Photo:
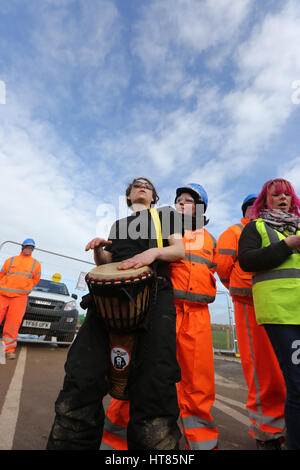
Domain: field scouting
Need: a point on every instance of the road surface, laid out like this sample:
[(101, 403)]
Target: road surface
[(30, 385)]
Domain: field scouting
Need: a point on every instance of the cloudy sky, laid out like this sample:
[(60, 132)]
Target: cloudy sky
[(96, 92)]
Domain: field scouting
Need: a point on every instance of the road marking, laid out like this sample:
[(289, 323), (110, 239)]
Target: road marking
[(227, 409), (231, 412), (231, 402), (224, 382), (10, 409)]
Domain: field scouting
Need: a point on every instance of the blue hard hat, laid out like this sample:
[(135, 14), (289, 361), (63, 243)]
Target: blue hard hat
[(248, 201), (249, 197), (196, 190), (28, 241)]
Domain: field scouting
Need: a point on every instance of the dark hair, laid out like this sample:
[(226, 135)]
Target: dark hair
[(247, 204), (155, 196)]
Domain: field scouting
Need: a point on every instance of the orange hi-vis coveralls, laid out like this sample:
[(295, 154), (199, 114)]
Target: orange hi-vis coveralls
[(194, 287), (18, 276), (266, 387)]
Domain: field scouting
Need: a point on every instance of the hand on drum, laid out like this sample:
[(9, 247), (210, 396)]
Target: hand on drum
[(142, 259), (97, 243)]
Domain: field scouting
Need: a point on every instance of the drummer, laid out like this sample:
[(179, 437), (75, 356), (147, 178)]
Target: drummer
[(79, 418)]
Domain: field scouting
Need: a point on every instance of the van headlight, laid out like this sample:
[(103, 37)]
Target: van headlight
[(70, 305)]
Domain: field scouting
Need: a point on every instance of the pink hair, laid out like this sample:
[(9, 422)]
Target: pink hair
[(281, 186)]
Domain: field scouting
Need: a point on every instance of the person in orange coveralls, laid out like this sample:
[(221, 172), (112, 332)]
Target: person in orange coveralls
[(194, 287), (18, 276), (266, 387)]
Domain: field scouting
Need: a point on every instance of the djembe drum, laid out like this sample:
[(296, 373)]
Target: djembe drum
[(122, 298)]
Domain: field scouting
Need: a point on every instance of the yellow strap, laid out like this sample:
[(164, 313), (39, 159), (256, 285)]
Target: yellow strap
[(157, 225)]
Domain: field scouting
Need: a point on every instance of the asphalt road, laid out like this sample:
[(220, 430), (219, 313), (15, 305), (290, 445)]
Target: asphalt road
[(30, 384)]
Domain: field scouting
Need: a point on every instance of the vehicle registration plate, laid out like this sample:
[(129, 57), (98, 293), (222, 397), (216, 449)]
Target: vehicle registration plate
[(36, 324)]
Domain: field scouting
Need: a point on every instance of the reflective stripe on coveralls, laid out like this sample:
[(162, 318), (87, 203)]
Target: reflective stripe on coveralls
[(191, 297), (9, 344), (115, 426), (17, 291), (276, 291)]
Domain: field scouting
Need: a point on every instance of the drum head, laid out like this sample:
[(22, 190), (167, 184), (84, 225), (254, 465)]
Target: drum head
[(110, 271)]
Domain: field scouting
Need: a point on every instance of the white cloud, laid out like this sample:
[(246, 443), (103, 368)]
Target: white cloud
[(51, 192), (202, 25), (173, 34), (291, 171), (268, 63), (169, 143), (72, 64), (84, 38), (208, 134), (185, 118), (41, 183)]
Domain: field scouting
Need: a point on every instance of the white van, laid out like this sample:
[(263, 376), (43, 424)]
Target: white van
[(51, 312)]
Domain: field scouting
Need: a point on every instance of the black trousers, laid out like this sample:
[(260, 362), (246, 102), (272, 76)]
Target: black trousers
[(79, 413)]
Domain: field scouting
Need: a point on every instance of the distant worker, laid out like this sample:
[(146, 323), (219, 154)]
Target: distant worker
[(194, 287), (18, 276), (266, 388)]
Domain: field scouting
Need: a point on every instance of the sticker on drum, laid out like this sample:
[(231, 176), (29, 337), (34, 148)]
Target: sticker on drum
[(120, 358)]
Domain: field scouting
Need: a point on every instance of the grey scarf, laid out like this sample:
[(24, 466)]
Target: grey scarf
[(281, 220)]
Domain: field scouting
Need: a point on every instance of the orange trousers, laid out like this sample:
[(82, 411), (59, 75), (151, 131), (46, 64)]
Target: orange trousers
[(196, 391), (266, 386), (13, 309)]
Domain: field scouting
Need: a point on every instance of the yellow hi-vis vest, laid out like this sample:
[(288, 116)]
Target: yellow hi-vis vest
[(276, 292)]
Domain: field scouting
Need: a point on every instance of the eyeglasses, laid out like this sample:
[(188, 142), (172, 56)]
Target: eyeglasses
[(139, 184), (189, 200), (28, 246)]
